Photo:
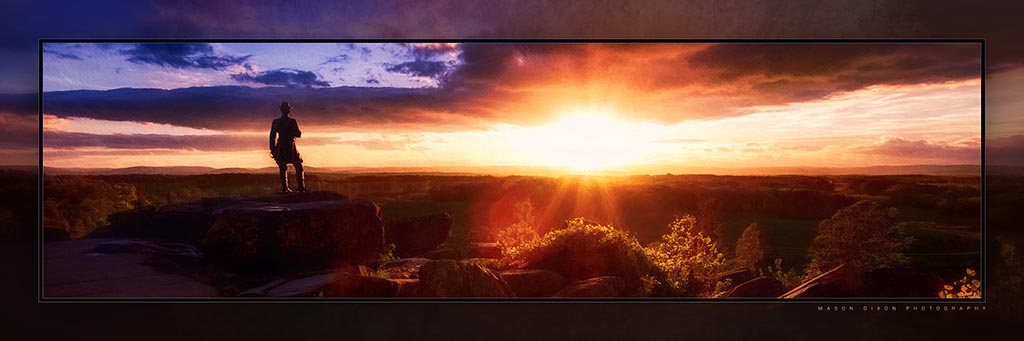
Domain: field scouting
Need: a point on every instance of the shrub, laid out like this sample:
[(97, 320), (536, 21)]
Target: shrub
[(789, 279), (967, 287), (582, 250), (749, 252), (520, 232), (689, 259), (386, 255), (863, 235)]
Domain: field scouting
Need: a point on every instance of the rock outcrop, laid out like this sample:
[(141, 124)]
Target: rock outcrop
[(294, 236), (189, 222), (533, 282), (450, 278), (415, 236), (604, 286), (840, 281), (123, 267)]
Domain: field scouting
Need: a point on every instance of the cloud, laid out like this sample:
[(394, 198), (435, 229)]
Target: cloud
[(780, 73), (909, 150), (430, 51), (193, 55), (224, 142), (341, 58), (533, 83), (208, 143), (245, 108), (60, 54), (283, 77), (420, 68)]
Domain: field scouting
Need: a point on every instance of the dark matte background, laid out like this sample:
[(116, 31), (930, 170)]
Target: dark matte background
[(23, 22)]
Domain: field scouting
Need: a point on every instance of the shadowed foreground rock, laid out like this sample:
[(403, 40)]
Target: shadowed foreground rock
[(123, 268), (605, 286), (450, 278), (840, 281), (533, 282), (286, 236), (414, 236), (353, 281), (757, 287)]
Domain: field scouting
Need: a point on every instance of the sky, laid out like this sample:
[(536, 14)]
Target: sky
[(23, 23), (587, 107)]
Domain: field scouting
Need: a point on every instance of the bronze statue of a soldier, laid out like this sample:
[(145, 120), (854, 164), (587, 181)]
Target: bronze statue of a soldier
[(283, 149)]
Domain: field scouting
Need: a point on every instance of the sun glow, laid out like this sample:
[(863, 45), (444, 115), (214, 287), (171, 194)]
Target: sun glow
[(585, 140)]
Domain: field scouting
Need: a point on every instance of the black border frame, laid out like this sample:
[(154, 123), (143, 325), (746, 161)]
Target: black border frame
[(831, 300)]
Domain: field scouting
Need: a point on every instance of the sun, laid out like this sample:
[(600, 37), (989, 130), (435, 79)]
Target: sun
[(586, 141)]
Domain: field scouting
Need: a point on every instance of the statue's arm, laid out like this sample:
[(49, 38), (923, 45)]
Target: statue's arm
[(273, 131), (298, 133)]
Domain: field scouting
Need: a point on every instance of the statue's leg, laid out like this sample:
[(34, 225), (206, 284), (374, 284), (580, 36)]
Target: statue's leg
[(298, 176), (283, 168)]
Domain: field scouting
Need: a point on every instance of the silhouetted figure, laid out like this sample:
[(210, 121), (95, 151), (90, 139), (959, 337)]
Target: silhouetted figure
[(284, 151)]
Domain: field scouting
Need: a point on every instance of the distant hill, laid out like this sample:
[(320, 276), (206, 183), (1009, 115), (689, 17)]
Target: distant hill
[(949, 170)]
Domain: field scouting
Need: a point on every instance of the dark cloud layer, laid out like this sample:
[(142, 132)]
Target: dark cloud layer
[(796, 72), (192, 55), (283, 77), (245, 108), (511, 82), (61, 140), (207, 143)]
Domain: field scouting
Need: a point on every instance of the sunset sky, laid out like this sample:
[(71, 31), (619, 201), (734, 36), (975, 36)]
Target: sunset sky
[(585, 107)]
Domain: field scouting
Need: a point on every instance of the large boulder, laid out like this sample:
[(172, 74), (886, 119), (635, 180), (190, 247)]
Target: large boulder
[(414, 236), (758, 287), (533, 282), (450, 278), (403, 268), (441, 253), (604, 286), (189, 222), (484, 250), (295, 236)]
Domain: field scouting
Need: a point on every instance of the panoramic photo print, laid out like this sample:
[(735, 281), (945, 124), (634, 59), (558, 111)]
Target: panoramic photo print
[(774, 171)]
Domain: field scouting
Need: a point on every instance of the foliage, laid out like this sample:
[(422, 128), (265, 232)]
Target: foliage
[(789, 279), (749, 251), (583, 247), (863, 235), (520, 232), (386, 255), (81, 204), (689, 258), (967, 287)]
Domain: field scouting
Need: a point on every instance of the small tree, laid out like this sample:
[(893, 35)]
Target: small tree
[(749, 252), (689, 258), (863, 235), (520, 232)]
